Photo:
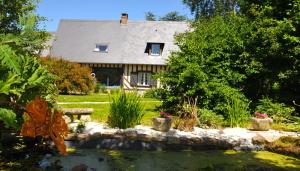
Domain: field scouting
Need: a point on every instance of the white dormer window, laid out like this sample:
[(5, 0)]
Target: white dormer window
[(155, 49), (101, 48)]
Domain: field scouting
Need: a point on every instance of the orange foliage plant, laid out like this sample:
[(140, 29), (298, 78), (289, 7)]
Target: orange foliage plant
[(41, 122)]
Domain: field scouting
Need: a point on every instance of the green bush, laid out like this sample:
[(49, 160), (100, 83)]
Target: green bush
[(279, 112), (237, 112), (114, 91), (209, 119), (22, 79), (100, 88), (8, 117), (156, 93), (211, 64), (126, 110)]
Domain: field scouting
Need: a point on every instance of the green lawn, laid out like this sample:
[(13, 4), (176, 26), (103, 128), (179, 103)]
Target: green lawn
[(101, 110), (89, 98), (84, 98)]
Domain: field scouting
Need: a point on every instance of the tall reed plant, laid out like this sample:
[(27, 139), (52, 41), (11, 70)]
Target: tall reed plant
[(237, 112), (126, 109), (188, 116)]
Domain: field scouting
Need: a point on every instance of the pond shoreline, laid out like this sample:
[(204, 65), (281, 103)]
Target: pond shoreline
[(100, 136)]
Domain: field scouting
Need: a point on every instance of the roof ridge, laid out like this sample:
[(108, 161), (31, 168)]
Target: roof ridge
[(130, 21)]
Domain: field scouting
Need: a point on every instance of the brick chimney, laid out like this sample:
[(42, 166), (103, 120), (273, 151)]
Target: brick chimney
[(124, 18)]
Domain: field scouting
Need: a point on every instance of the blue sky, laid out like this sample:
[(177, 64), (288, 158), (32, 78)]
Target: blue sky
[(54, 10)]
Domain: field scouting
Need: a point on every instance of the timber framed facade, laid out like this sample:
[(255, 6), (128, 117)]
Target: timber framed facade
[(128, 75)]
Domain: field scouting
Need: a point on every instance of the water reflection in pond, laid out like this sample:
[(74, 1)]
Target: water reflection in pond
[(183, 160)]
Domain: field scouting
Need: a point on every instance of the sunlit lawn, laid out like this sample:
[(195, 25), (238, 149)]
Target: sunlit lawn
[(84, 98), (101, 110), (90, 98)]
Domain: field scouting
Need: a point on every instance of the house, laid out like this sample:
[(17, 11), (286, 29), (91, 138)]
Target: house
[(121, 52)]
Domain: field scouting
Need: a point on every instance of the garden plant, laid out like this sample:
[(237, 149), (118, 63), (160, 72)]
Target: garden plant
[(126, 109)]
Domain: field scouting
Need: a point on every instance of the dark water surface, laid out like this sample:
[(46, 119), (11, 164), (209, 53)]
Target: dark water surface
[(176, 161)]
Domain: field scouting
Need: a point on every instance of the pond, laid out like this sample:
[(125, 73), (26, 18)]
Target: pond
[(178, 160)]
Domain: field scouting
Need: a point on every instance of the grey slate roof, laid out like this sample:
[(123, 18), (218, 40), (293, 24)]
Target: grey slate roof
[(76, 39)]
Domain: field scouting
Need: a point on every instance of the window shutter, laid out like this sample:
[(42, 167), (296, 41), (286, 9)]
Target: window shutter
[(148, 48), (161, 48), (133, 79)]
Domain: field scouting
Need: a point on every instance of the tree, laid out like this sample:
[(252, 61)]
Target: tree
[(211, 64), (150, 16), (277, 30), (173, 16), (252, 56), (211, 7), (11, 11)]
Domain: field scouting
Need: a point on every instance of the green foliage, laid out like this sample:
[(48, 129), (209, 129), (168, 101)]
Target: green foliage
[(279, 112), (149, 16), (100, 88), (154, 93), (211, 64), (22, 76), (11, 11), (126, 110), (173, 16), (289, 127), (273, 25), (237, 112), (114, 91), (71, 77), (204, 8), (209, 119), (277, 31), (8, 117), (22, 79), (29, 40), (246, 56)]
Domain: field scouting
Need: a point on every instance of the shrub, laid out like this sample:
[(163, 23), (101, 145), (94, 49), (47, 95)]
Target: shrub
[(279, 112), (238, 113), (211, 64), (126, 110), (71, 77), (187, 113), (100, 88), (154, 93), (114, 90), (209, 119), (22, 78)]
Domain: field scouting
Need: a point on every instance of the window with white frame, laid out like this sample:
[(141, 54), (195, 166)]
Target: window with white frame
[(155, 49), (101, 48), (144, 78)]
